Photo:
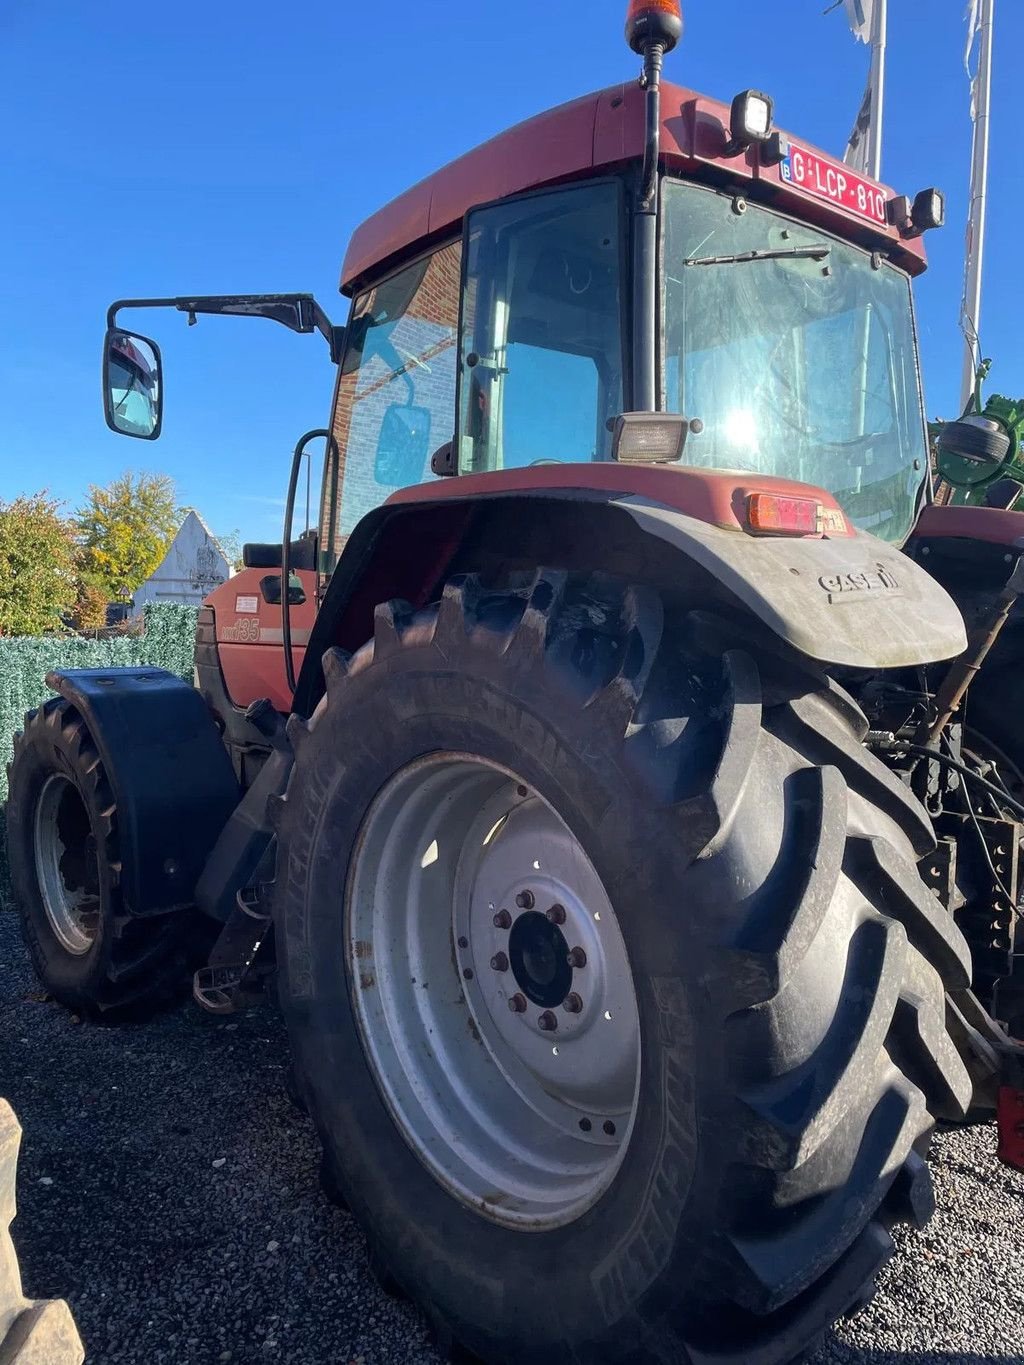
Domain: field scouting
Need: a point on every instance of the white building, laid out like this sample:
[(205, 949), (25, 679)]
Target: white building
[(192, 567)]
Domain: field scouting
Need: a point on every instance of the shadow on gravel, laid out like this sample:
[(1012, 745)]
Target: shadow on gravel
[(834, 1354)]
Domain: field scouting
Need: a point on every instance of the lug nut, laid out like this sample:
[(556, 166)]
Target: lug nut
[(517, 1004), (577, 957), (525, 900), (502, 920), (557, 914), (548, 1021), (572, 1004), (499, 962)]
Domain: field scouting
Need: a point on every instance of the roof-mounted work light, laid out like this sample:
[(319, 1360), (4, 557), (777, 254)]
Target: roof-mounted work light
[(929, 210), (650, 22), (925, 212), (751, 120)]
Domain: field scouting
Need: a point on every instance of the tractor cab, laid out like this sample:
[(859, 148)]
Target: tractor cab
[(643, 249)]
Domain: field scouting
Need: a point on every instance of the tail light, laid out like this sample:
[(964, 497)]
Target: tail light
[(773, 514)]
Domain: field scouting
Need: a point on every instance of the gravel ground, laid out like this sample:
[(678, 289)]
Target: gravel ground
[(168, 1189)]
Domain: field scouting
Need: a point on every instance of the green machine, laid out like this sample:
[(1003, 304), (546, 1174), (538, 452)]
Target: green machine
[(980, 457)]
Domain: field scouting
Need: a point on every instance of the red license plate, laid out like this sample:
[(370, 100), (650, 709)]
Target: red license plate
[(839, 184)]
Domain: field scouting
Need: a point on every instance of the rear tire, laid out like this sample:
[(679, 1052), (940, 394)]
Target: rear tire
[(40, 1332), (787, 963), (62, 841)]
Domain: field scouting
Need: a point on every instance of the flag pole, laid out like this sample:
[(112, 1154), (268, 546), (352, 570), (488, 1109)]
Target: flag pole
[(971, 310), (879, 42)]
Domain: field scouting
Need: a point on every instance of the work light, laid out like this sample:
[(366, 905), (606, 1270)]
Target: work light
[(649, 437), (929, 210), (750, 120), (654, 21)]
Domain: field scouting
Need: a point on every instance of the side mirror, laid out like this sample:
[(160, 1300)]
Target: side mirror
[(132, 385), (403, 446)]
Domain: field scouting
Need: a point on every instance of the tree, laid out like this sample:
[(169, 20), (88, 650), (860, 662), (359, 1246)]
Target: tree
[(90, 612), (38, 577), (125, 530), (231, 544)]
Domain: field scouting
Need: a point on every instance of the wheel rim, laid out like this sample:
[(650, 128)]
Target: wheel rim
[(493, 992), (67, 867)]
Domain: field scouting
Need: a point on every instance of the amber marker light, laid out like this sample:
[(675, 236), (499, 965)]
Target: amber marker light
[(654, 21), (773, 515)]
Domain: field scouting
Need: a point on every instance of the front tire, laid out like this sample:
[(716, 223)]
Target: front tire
[(62, 842), (786, 967)]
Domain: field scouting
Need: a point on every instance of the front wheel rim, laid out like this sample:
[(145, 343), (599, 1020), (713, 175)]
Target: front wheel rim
[(493, 992), (67, 867)]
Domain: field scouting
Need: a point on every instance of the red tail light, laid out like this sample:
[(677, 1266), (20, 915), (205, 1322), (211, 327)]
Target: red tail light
[(654, 21), (771, 514)]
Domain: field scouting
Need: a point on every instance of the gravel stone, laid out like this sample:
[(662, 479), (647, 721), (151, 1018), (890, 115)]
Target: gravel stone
[(166, 1260)]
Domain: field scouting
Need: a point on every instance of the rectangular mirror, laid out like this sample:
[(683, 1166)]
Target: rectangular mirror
[(403, 447), (132, 386)]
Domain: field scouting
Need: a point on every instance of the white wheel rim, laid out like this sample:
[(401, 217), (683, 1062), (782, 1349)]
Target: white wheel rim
[(67, 868), (523, 1111)]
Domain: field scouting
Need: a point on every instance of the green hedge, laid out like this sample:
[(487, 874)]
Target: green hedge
[(167, 641)]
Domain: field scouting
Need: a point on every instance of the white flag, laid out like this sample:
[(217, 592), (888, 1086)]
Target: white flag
[(858, 154), (861, 14), (973, 17)]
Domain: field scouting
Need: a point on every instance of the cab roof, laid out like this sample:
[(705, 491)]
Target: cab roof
[(597, 133)]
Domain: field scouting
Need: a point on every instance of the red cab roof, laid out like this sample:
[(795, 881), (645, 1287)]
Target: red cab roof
[(597, 133)]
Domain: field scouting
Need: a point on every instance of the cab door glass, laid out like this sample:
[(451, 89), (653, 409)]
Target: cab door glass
[(541, 350), (395, 400)]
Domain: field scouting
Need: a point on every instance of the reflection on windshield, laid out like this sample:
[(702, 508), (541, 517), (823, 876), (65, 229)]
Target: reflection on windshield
[(798, 364)]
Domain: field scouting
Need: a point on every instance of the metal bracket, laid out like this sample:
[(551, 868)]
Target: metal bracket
[(230, 978)]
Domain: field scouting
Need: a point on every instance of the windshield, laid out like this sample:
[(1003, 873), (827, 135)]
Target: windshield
[(797, 354)]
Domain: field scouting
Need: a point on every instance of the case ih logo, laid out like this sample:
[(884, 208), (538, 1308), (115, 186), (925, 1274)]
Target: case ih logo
[(847, 587)]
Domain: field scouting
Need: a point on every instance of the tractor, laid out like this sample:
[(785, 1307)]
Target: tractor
[(620, 788)]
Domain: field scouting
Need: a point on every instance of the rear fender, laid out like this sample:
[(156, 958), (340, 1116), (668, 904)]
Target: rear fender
[(849, 601), (172, 779)]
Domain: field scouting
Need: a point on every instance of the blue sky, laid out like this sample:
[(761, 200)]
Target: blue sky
[(223, 147)]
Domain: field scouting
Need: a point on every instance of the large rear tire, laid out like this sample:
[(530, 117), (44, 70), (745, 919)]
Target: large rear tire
[(778, 972), (62, 842), (32, 1332)]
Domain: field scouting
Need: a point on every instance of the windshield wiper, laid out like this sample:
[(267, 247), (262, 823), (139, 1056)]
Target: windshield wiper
[(791, 253)]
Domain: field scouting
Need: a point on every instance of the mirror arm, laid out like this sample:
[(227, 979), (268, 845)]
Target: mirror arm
[(298, 312)]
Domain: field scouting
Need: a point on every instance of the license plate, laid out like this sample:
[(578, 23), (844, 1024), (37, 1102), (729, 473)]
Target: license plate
[(839, 184)]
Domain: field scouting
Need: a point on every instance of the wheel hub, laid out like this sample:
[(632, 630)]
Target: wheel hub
[(66, 864), (539, 957)]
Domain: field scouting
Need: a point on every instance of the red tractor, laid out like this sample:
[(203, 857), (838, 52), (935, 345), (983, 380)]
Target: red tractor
[(611, 808)]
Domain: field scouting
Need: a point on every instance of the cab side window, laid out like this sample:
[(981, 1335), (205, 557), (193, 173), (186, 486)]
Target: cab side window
[(395, 400), (542, 330)]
